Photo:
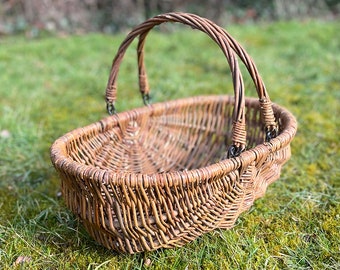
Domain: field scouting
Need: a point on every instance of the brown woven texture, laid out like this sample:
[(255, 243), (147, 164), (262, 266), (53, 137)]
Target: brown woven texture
[(166, 173)]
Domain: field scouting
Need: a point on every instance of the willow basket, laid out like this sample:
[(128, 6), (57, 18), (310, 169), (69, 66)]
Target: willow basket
[(164, 174)]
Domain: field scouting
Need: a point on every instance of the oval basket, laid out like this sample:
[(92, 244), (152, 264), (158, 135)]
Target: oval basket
[(164, 174)]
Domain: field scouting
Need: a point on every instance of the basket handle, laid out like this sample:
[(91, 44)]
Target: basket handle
[(218, 35), (264, 100)]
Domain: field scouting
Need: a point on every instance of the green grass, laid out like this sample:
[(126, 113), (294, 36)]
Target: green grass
[(53, 85)]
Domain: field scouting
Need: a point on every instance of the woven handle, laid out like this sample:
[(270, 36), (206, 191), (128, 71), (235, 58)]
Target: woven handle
[(227, 45), (205, 25)]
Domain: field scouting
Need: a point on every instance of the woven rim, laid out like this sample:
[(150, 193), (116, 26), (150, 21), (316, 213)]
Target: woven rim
[(62, 160)]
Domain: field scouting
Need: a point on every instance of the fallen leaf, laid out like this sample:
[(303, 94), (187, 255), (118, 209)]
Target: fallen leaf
[(147, 262), (21, 260)]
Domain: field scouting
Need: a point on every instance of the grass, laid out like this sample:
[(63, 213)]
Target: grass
[(52, 85)]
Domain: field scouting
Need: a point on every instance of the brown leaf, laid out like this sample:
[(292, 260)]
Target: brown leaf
[(147, 262), (21, 260)]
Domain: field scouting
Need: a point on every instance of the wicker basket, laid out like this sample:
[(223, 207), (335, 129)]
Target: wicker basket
[(164, 174)]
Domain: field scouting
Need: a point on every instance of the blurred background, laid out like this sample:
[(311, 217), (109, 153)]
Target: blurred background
[(34, 17)]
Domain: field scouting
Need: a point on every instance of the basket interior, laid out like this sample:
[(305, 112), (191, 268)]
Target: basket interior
[(172, 137)]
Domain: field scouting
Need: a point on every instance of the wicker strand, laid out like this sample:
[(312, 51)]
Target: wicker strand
[(239, 134), (267, 113), (143, 80)]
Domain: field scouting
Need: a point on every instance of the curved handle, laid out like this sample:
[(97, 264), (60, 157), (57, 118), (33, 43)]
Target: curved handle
[(214, 32), (265, 103)]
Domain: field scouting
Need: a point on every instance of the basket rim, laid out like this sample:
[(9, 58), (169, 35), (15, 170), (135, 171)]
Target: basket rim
[(61, 160)]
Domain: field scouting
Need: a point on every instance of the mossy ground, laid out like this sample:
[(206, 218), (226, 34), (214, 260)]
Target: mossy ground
[(52, 85)]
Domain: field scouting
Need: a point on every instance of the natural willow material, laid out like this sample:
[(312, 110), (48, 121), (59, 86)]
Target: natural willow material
[(159, 176)]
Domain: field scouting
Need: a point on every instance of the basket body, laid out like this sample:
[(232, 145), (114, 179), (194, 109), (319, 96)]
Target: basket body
[(156, 176)]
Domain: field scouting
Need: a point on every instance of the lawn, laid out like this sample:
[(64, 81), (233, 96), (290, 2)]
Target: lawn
[(51, 85)]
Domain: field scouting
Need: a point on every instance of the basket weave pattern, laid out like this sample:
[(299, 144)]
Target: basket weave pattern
[(158, 176)]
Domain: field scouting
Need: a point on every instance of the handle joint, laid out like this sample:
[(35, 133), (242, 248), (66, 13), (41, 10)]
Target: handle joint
[(235, 151), (271, 133), (110, 107), (146, 99)]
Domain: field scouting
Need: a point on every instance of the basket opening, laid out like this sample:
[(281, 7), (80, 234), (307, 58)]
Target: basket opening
[(172, 138)]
